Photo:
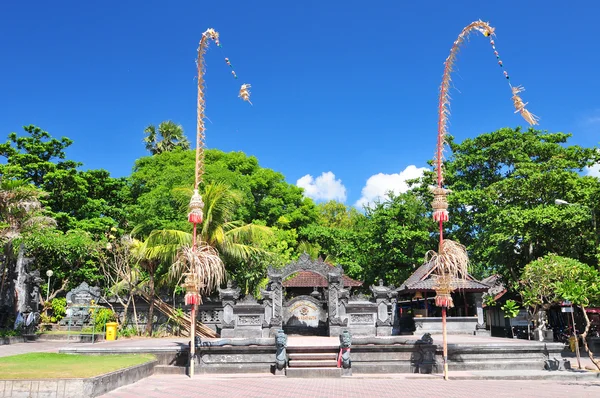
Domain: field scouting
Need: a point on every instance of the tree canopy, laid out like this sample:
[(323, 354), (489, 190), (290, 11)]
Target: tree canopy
[(517, 195)]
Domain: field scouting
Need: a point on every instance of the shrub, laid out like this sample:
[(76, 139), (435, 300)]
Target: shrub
[(101, 317), (59, 308)]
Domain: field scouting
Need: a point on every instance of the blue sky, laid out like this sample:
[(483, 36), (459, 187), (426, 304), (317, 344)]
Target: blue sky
[(346, 88)]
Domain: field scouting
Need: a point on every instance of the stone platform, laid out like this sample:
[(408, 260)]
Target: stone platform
[(369, 355)]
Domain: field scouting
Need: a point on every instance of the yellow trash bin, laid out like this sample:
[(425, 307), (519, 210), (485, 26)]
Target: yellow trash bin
[(111, 330)]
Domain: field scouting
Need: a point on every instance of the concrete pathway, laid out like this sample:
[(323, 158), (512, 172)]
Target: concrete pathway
[(31, 346), (253, 387)]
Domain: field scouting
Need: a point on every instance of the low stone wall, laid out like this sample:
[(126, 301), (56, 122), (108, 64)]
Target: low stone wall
[(69, 388), (394, 354), (12, 340), (524, 356), (74, 337), (454, 325), (247, 356)]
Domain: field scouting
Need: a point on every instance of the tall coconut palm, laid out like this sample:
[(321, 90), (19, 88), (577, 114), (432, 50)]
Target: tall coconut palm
[(169, 136)]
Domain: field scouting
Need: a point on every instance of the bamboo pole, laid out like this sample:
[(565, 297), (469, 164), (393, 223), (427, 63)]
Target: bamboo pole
[(445, 343)]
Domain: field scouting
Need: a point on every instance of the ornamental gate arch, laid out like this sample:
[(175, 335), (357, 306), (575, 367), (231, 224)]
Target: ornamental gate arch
[(335, 292)]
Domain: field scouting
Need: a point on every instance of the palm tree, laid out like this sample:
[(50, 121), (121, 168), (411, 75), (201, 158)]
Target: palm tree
[(169, 137), (219, 236)]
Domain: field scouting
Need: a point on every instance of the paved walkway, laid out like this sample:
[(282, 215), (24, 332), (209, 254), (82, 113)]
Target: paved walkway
[(254, 387), (31, 346)]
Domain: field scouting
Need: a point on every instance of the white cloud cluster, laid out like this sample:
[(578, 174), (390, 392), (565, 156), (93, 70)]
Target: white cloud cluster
[(325, 187), (380, 184), (593, 171)]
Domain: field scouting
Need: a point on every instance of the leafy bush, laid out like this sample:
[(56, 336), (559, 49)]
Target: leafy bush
[(489, 300), (129, 331), (511, 309), (101, 317), (59, 308), (10, 333)]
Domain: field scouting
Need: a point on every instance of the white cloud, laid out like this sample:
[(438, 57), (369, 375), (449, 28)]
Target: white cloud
[(379, 185), (593, 171), (324, 187)]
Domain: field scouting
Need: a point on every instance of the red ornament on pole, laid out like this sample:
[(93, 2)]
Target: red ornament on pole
[(196, 214)]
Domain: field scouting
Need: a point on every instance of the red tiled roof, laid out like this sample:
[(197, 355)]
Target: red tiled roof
[(312, 279), (421, 280)]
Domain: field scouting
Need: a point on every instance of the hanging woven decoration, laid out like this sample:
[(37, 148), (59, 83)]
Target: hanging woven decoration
[(443, 291), (192, 297), (245, 93), (440, 203), (196, 214)]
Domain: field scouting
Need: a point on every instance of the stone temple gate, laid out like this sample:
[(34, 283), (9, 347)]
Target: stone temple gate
[(325, 312), (308, 312)]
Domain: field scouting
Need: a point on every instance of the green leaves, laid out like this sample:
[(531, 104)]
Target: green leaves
[(511, 309), (552, 279), (502, 208), (170, 136)]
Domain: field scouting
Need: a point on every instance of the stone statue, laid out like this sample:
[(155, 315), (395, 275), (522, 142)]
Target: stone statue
[(344, 356), (281, 344), (426, 339)]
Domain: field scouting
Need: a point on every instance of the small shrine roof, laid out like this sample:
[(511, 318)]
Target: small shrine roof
[(423, 280), (312, 279)]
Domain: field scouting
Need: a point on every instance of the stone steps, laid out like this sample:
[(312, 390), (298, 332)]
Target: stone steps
[(312, 361), (313, 372), (313, 364), (312, 356)]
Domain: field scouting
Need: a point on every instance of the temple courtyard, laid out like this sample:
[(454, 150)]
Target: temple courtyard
[(368, 386)]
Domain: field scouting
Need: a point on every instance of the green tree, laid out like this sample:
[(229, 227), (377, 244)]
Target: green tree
[(399, 232), (234, 241), (337, 245), (502, 208), (90, 200), (552, 279), (72, 255), (169, 136), (337, 215), (32, 156), (264, 194)]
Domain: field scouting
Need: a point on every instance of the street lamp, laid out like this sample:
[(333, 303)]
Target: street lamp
[(49, 274)]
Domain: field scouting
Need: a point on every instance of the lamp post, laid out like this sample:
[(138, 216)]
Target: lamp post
[(49, 274)]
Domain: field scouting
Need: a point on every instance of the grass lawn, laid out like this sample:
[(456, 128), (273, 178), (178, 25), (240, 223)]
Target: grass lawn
[(64, 366)]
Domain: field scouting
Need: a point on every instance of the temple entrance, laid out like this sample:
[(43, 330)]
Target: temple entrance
[(305, 315), (305, 297)]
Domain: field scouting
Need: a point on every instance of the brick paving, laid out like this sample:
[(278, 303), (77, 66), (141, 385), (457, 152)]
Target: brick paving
[(159, 386)]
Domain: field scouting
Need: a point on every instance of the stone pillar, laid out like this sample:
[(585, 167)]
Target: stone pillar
[(228, 297), (480, 328), (382, 296), (479, 306)]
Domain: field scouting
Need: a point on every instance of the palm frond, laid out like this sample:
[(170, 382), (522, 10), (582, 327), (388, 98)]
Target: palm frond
[(163, 244), (452, 260), (204, 260)]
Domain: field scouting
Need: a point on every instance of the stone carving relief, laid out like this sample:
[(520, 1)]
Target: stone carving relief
[(361, 318), (247, 320)]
